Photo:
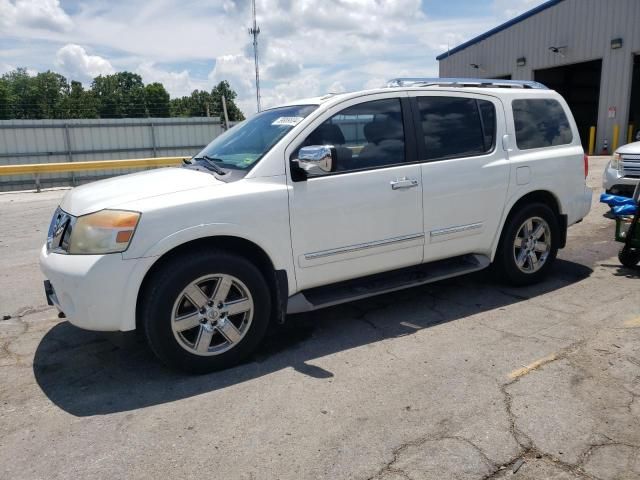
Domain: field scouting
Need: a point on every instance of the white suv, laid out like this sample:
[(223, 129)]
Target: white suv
[(622, 173), (319, 202)]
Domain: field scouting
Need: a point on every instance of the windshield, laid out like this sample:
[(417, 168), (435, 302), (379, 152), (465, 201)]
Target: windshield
[(244, 144)]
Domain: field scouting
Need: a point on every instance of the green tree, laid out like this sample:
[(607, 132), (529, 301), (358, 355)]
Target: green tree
[(157, 100), (23, 94), (78, 103), (202, 103), (5, 100), (49, 90), (223, 88), (119, 95), (123, 94), (198, 104)]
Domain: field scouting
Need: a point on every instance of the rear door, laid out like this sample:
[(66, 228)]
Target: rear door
[(465, 171)]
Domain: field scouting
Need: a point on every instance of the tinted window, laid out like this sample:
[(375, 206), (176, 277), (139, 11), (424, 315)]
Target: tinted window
[(456, 127), (540, 123), (366, 135)]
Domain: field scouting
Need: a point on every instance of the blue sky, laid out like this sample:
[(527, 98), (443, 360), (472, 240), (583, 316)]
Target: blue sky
[(307, 47)]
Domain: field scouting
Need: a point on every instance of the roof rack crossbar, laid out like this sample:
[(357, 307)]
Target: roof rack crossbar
[(463, 82)]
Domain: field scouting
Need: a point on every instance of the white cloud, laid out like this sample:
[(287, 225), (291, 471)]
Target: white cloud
[(5, 67), (513, 8), (39, 14), (307, 47), (74, 61), (239, 72), (178, 84)]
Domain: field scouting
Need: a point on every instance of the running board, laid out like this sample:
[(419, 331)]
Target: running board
[(356, 289)]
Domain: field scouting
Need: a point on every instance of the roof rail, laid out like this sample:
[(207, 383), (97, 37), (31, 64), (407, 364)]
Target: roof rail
[(463, 82)]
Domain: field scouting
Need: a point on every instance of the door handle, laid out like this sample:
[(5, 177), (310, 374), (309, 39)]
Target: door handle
[(403, 182)]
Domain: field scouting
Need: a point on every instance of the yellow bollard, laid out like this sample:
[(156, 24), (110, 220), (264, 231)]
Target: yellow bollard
[(592, 140), (630, 133), (616, 138)]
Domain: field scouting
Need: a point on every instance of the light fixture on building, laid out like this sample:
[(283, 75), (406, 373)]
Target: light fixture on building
[(474, 65), (558, 50), (521, 62), (616, 43)]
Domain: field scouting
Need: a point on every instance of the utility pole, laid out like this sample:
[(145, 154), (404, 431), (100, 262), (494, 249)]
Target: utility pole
[(254, 31)]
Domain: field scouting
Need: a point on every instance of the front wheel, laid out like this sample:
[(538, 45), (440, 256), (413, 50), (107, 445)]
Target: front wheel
[(205, 311), (528, 246)]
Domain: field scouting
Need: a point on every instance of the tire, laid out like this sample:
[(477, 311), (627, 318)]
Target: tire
[(629, 257), (205, 311), (509, 264)]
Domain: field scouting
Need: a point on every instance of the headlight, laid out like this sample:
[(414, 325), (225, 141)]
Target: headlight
[(616, 162), (106, 231)]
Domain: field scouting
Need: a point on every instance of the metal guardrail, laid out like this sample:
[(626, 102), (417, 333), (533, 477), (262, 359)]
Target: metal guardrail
[(36, 169)]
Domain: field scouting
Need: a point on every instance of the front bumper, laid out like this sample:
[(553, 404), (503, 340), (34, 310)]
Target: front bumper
[(95, 292), (614, 183)]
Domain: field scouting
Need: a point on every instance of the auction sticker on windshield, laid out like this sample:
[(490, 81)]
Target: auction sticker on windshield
[(291, 121)]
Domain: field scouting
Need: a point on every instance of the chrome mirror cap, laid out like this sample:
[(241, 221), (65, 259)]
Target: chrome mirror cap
[(317, 159)]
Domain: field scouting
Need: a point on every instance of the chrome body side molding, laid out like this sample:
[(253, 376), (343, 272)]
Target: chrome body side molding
[(456, 229), (362, 246)]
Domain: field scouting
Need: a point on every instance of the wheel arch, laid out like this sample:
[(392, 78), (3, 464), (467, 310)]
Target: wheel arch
[(277, 280), (536, 196)]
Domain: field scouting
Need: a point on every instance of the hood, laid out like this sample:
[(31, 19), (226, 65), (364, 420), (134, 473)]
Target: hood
[(630, 148), (117, 191)]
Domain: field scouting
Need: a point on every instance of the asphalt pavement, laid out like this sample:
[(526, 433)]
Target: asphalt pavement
[(464, 379)]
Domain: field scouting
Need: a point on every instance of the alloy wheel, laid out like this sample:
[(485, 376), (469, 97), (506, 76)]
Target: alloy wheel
[(212, 314), (532, 245)]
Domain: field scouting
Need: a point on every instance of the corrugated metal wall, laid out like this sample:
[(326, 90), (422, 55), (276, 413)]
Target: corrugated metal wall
[(586, 28), (48, 141)]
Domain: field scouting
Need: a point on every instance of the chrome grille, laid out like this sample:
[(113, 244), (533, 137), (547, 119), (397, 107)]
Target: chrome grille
[(60, 231), (630, 166)]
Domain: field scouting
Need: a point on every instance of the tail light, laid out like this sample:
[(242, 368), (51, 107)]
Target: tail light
[(586, 165)]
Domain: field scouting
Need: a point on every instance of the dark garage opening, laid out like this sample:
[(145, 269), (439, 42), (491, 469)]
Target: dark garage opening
[(634, 104), (579, 84)]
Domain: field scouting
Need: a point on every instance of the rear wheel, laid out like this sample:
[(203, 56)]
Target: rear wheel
[(205, 311), (528, 246), (629, 257)]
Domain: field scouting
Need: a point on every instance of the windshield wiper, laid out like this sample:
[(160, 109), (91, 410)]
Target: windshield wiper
[(210, 164)]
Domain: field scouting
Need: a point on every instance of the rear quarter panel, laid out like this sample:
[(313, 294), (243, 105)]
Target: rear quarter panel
[(557, 169)]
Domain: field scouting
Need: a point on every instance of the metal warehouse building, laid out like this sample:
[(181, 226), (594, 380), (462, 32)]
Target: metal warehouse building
[(587, 50)]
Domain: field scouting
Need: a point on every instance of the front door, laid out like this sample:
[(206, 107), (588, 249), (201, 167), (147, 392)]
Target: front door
[(366, 217)]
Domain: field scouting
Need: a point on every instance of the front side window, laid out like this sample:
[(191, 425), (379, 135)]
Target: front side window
[(243, 145), (540, 123), (456, 127), (367, 135)]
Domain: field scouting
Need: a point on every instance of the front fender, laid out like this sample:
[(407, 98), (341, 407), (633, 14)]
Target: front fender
[(198, 232)]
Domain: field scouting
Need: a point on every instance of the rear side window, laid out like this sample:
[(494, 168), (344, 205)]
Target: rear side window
[(540, 123), (456, 127)]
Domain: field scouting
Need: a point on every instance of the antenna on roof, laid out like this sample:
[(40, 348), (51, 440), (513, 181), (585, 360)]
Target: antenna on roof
[(255, 31)]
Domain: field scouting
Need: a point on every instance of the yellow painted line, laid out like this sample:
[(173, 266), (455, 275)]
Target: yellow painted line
[(532, 366), (36, 168), (634, 322)]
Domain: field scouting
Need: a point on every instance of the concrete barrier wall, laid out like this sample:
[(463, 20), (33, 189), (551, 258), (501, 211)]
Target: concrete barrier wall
[(43, 141)]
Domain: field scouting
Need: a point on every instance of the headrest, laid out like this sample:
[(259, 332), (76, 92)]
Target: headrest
[(380, 130), (327, 134)]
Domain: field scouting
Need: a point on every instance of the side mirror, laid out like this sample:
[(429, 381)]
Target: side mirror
[(317, 159)]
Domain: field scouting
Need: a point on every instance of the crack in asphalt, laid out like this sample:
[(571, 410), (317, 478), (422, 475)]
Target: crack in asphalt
[(398, 451), (507, 333), (526, 447)]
